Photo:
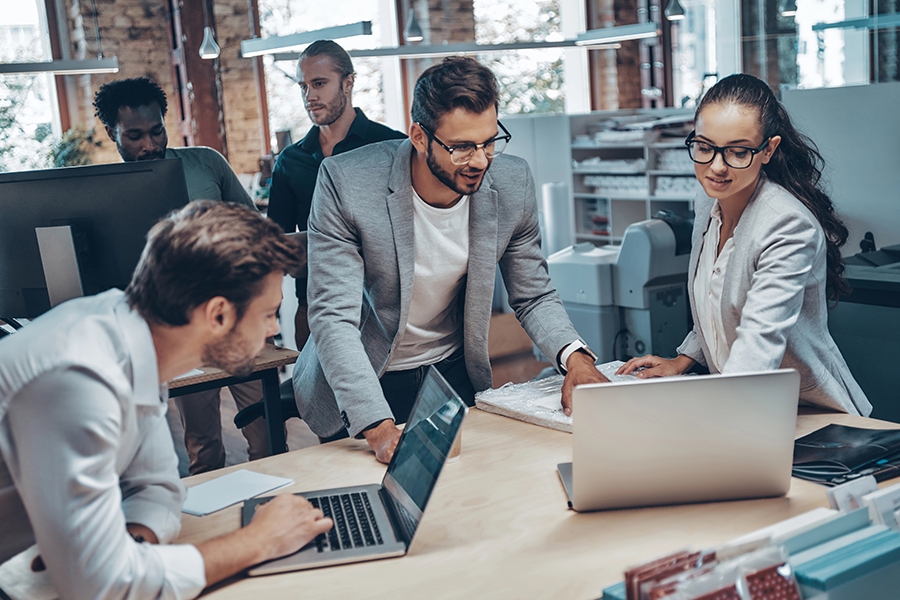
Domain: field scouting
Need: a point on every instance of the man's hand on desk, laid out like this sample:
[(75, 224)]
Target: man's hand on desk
[(580, 369), (280, 527), (383, 440)]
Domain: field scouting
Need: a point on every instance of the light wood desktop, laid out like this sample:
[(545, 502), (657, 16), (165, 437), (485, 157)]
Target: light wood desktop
[(497, 525), (265, 368)]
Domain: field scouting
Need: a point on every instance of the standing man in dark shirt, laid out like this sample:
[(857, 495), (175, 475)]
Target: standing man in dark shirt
[(326, 77)]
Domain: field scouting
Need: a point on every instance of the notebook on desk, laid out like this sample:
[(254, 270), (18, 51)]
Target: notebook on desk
[(682, 439), (379, 521)]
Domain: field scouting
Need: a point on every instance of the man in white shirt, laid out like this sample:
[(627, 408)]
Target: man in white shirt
[(405, 237), (87, 467)]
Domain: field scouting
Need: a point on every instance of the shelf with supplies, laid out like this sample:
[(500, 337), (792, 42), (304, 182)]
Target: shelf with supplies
[(620, 166), (624, 170)]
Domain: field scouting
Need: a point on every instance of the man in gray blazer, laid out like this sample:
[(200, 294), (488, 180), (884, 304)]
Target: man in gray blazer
[(405, 236)]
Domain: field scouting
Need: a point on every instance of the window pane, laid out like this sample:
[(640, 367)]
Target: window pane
[(284, 17), (787, 51), (531, 81), (693, 51), (26, 101)]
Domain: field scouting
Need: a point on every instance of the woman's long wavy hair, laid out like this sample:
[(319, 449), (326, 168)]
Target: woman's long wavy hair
[(796, 164)]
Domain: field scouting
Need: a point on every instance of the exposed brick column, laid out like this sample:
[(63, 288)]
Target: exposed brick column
[(240, 94), (137, 32)]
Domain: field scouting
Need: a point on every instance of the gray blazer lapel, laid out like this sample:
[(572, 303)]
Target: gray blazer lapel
[(480, 277), (400, 211)]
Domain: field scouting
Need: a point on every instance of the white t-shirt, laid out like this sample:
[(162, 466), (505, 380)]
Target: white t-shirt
[(434, 327), (708, 283)]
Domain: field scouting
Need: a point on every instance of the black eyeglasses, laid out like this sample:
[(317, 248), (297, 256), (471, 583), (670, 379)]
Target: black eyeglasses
[(736, 157), (461, 154)]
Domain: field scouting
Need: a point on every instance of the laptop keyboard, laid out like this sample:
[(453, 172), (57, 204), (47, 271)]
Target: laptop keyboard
[(354, 522)]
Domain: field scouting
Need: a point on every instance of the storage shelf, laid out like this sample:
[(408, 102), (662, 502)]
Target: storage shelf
[(621, 209), (642, 197), (609, 146), (602, 172), (675, 198), (671, 173), (672, 144)]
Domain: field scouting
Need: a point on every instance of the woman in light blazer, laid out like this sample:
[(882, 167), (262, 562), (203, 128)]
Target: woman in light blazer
[(765, 261)]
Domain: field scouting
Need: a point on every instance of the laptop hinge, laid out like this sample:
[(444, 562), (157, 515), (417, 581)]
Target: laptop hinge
[(388, 504)]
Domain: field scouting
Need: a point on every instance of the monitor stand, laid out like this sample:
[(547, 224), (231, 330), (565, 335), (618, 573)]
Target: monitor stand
[(60, 262)]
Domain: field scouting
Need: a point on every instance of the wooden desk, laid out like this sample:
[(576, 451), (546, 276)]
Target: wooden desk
[(266, 369), (497, 525)]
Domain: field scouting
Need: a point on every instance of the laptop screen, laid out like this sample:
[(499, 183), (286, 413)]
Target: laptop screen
[(422, 449)]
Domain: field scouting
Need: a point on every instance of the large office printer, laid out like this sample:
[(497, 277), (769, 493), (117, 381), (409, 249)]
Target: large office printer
[(629, 300), (865, 327)]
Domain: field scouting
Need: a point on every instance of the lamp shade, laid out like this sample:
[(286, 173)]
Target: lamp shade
[(789, 8), (412, 32), (209, 49), (674, 10)]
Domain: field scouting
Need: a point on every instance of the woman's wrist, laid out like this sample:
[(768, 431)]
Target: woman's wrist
[(683, 363)]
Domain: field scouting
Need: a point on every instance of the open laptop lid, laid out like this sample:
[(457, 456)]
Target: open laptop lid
[(683, 439), (422, 450)]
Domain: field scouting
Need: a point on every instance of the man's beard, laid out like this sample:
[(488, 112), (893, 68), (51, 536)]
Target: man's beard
[(130, 158), (333, 111), (230, 355), (447, 178)]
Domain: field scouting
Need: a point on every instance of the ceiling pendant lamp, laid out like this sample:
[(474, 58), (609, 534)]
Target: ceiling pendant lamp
[(209, 49)]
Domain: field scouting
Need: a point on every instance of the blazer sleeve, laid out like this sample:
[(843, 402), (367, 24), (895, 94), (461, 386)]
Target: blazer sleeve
[(335, 293), (790, 248), (692, 348), (531, 294)]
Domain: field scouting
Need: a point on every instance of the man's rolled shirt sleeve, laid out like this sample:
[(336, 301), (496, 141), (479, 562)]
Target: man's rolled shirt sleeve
[(71, 437)]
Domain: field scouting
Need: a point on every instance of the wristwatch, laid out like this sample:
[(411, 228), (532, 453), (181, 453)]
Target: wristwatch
[(576, 346)]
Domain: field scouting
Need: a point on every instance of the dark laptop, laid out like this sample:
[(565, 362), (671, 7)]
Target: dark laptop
[(379, 521)]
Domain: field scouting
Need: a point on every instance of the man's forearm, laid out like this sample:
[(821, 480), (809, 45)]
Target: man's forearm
[(224, 556)]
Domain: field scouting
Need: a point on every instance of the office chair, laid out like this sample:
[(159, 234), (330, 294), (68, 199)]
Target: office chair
[(248, 414)]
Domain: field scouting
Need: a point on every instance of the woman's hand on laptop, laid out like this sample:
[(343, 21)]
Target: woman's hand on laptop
[(645, 367), (580, 369)]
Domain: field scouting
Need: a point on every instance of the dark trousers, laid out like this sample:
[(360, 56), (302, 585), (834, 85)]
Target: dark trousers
[(400, 388)]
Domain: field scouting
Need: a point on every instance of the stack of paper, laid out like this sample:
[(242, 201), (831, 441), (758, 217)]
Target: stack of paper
[(539, 401)]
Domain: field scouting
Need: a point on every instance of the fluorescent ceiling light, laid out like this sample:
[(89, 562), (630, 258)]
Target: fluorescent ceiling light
[(413, 33), (280, 43), (63, 67), (877, 22), (622, 33), (440, 50)]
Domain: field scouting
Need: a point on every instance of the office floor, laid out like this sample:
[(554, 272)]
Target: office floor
[(518, 368)]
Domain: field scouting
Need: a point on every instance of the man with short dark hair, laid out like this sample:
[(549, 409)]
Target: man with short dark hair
[(405, 237), (325, 74), (133, 111), (87, 467)]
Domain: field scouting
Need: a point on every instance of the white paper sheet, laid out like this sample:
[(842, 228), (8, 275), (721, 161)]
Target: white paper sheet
[(229, 489), (190, 373)]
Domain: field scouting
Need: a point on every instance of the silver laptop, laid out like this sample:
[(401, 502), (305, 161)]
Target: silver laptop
[(682, 439), (379, 521)]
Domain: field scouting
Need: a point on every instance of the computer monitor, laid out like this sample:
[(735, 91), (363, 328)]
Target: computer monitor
[(110, 209)]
